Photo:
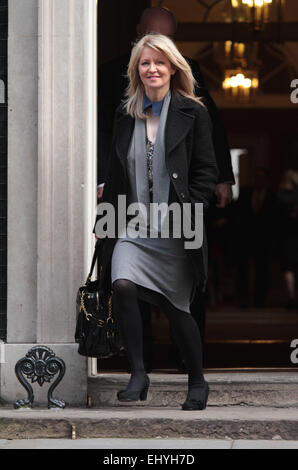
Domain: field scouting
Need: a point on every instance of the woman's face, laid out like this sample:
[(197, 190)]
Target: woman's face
[(155, 71)]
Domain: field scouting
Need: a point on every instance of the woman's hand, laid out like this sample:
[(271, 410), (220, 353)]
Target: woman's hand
[(99, 193)]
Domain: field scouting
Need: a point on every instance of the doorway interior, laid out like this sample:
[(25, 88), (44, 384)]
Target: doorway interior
[(239, 335)]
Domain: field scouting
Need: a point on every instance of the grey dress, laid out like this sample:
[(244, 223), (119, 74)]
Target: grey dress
[(159, 266)]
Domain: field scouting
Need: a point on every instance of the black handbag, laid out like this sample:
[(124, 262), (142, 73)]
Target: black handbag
[(97, 331)]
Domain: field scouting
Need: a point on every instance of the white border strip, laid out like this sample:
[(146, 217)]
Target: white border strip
[(91, 167)]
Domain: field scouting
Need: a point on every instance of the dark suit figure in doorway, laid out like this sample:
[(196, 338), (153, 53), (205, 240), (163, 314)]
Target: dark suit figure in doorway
[(255, 235)]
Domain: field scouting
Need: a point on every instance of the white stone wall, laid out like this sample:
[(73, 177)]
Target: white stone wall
[(65, 163), (22, 170), (51, 177)]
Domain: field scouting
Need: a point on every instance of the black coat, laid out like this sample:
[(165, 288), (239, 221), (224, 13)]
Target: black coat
[(112, 84), (190, 162)]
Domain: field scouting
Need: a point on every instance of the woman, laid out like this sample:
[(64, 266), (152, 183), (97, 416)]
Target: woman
[(161, 152)]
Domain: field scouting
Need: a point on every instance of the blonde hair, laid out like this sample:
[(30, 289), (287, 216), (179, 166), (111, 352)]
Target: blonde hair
[(289, 180), (182, 82)]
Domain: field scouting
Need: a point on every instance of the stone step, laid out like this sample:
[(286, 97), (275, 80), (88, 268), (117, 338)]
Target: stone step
[(215, 422), (272, 389)]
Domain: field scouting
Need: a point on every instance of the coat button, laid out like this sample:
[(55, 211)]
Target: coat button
[(182, 195), (175, 175)]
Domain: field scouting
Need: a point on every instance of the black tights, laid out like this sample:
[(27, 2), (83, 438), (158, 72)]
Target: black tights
[(184, 327)]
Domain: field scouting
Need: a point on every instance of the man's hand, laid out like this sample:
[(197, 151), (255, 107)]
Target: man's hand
[(294, 213), (223, 194)]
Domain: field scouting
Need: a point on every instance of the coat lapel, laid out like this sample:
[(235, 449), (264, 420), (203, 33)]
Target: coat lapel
[(124, 130), (179, 122)]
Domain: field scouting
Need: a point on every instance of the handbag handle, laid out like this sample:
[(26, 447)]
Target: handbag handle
[(95, 254)]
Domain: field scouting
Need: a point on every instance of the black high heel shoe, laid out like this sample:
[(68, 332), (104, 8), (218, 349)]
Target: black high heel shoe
[(125, 395), (198, 403)]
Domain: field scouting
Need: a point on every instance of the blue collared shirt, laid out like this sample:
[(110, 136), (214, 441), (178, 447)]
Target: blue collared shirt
[(156, 105)]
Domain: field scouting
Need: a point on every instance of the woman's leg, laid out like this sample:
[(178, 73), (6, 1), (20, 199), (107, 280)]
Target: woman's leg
[(126, 307), (187, 336)]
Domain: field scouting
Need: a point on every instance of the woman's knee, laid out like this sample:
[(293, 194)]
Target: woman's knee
[(124, 288), (178, 318)]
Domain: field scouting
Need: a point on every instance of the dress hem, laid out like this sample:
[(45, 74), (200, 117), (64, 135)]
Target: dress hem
[(151, 291)]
